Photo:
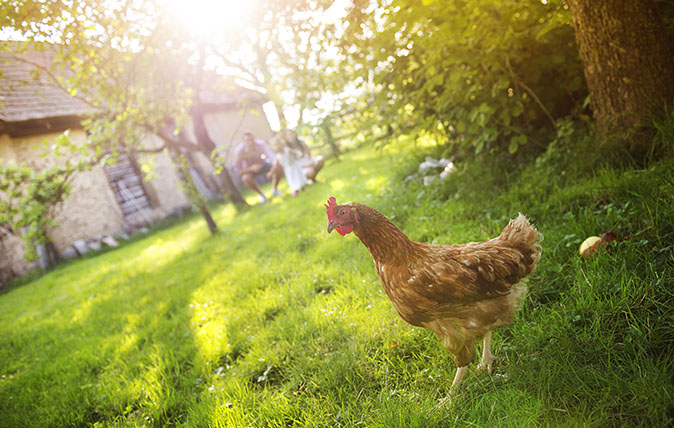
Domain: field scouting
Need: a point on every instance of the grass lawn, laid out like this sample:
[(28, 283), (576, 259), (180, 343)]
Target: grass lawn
[(275, 323)]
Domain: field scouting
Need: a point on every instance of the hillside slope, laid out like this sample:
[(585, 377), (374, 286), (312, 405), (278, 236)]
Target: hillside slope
[(273, 322)]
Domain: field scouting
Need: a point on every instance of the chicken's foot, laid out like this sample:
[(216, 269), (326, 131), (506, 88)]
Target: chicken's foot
[(487, 356)]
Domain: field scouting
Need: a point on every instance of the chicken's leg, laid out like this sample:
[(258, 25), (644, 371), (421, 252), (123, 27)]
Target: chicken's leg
[(458, 377), (487, 356)]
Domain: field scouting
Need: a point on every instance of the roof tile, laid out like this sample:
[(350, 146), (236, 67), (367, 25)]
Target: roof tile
[(27, 93)]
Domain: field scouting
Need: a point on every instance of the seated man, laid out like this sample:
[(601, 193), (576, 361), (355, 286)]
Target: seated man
[(253, 158)]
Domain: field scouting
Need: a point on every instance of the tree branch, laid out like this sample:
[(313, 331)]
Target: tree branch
[(537, 100), (540, 104), (251, 76), (150, 151)]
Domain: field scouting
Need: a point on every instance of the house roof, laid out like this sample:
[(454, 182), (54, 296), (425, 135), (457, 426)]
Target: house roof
[(26, 93)]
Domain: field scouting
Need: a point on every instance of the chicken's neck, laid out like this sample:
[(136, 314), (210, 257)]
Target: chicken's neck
[(387, 244)]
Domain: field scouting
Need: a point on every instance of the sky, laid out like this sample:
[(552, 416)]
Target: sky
[(208, 16)]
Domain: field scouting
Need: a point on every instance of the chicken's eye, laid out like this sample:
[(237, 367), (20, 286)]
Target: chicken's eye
[(342, 212)]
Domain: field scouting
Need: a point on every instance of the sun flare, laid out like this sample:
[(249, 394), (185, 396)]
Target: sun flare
[(209, 16)]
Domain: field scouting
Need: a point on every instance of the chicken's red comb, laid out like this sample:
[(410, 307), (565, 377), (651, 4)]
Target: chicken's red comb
[(331, 207)]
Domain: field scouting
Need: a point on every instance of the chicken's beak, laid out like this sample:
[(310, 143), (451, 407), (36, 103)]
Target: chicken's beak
[(331, 226)]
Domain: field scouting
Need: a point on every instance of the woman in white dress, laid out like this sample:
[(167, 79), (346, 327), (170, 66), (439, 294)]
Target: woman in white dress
[(289, 158), (310, 164)]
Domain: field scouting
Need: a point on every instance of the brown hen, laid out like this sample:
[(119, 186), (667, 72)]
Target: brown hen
[(460, 292)]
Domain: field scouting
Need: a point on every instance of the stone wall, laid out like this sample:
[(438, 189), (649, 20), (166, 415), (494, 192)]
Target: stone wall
[(6, 151), (12, 263), (89, 212), (11, 247), (164, 188)]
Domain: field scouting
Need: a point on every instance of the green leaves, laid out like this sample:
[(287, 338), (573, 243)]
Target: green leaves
[(493, 71), (516, 142), (28, 197)]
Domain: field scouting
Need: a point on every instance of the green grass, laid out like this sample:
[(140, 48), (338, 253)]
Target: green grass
[(275, 323)]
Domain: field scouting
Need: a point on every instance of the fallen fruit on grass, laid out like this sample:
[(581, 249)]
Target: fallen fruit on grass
[(590, 246)]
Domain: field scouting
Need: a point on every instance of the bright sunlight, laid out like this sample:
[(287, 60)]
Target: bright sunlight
[(209, 16)]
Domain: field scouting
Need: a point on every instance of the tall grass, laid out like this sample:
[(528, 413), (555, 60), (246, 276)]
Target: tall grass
[(274, 323)]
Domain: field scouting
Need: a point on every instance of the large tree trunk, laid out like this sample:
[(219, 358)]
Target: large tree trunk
[(206, 146), (628, 65)]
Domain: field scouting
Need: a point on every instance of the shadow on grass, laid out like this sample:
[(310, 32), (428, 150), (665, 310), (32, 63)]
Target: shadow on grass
[(122, 349), (129, 348)]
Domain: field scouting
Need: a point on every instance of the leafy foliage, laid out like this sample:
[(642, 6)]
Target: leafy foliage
[(489, 75), (29, 198), (127, 63)]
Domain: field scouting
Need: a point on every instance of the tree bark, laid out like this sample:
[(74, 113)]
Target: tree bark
[(206, 214), (628, 65), (330, 139), (268, 84), (190, 189), (193, 193), (206, 146)]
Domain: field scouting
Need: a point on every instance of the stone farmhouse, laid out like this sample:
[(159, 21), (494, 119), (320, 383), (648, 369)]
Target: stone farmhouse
[(105, 201)]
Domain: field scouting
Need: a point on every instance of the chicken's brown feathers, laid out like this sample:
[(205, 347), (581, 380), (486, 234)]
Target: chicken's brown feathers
[(424, 281), (460, 292)]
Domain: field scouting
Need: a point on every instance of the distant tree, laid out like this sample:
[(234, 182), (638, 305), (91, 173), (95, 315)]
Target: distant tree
[(628, 64), (252, 53), (288, 51), (132, 67)]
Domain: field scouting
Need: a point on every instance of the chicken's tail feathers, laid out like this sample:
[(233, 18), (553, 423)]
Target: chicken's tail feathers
[(519, 230)]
